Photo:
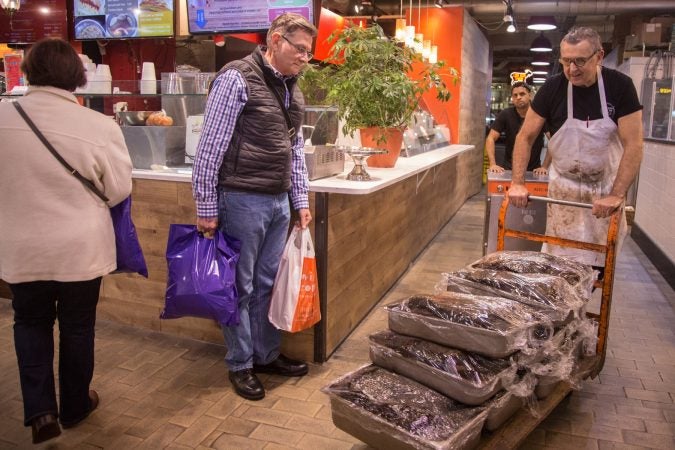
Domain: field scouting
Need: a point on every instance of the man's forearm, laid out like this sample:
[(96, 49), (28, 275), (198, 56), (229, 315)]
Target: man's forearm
[(521, 156), (628, 170)]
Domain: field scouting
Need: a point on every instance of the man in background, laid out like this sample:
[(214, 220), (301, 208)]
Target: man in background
[(509, 122)]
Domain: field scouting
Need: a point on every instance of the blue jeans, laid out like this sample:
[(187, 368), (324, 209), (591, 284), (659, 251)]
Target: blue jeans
[(37, 304), (260, 222)]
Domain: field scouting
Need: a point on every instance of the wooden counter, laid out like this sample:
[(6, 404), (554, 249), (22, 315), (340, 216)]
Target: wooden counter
[(366, 235)]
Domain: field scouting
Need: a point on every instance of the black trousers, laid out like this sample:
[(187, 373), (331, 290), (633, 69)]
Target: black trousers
[(37, 305)]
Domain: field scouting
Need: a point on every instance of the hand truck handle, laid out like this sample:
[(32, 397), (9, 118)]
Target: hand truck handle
[(560, 202)]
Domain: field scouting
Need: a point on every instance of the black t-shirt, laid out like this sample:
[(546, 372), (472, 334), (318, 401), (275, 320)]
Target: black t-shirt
[(509, 122), (551, 100)]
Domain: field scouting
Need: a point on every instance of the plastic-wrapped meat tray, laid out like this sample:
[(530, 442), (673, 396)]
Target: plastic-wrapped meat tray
[(466, 377), (495, 328), (539, 290), (579, 276), (387, 410), (457, 286)]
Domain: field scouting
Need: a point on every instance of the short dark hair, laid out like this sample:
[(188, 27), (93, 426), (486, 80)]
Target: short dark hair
[(521, 84), (53, 62), (290, 23)]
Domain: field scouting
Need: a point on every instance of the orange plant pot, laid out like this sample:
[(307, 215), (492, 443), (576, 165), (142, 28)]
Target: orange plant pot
[(393, 143)]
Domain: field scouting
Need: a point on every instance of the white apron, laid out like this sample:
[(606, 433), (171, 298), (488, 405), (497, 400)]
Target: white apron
[(586, 156)]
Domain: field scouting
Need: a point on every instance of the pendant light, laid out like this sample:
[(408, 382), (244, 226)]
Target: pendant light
[(542, 23), (541, 44)]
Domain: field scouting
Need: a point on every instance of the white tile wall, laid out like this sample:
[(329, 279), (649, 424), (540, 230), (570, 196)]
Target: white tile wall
[(655, 208)]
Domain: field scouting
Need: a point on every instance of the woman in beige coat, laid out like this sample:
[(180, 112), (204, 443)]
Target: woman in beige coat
[(56, 236)]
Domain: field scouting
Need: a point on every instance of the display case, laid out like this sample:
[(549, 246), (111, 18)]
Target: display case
[(165, 148)]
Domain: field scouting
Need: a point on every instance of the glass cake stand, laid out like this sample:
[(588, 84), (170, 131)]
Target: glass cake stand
[(359, 155)]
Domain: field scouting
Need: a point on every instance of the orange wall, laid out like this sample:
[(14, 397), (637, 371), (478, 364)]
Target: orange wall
[(444, 27), (328, 22)]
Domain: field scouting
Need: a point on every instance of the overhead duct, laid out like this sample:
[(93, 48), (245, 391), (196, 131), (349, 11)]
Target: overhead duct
[(568, 8), (534, 7)]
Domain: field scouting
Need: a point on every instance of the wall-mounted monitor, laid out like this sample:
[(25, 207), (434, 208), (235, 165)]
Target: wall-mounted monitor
[(123, 19), (243, 16), (36, 19)]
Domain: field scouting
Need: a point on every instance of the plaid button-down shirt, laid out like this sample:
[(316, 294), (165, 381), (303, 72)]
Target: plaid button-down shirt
[(225, 102)]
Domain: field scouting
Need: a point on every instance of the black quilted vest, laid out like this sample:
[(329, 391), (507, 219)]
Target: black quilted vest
[(259, 156)]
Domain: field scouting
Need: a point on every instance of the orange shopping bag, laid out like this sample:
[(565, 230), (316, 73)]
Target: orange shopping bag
[(295, 297)]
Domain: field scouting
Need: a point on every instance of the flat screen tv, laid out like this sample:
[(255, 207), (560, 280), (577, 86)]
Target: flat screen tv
[(122, 19), (242, 16), (36, 19)]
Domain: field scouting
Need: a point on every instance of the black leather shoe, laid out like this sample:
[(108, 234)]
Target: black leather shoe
[(283, 366), (93, 404), (247, 385), (44, 428)]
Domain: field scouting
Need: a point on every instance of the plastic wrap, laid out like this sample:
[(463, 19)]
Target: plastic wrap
[(578, 275), (491, 326), (546, 291), (561, 360), (500, 408), (386, 410), (466, 377)]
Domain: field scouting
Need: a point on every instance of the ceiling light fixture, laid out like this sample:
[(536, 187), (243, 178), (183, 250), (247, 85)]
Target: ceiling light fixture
[(541, 59), (540, 72), (10, 7), (539, 80), (508, 18), (542, 23), (541, 44)]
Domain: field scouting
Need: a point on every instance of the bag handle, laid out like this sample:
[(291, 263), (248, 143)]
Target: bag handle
[(289, 124), (56, 154)]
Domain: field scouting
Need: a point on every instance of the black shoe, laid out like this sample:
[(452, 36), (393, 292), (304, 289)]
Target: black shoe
[(283, 366), (247, 385), (93, 404), (44, 428)]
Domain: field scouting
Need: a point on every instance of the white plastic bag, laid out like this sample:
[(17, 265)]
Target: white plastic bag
[(295, 297)]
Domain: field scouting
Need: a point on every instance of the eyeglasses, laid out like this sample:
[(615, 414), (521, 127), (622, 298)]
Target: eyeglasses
[(300, 49), (579, 62)]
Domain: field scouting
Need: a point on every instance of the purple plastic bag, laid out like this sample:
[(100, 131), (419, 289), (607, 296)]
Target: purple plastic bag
[(201, 276), (129, 254)]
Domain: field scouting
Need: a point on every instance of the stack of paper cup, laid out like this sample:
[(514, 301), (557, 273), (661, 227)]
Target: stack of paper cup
[(148, 79), (102, 80)]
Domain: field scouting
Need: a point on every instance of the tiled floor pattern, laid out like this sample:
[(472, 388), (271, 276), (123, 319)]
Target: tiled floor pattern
[(158, 391)]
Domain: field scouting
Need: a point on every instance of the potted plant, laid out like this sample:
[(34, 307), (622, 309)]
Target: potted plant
[(368, 79)]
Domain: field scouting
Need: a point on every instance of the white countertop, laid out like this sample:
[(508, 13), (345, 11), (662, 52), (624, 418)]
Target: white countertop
[(381, 178)]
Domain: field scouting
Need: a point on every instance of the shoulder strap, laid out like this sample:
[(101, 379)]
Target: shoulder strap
[(256, 69), (56, 154)]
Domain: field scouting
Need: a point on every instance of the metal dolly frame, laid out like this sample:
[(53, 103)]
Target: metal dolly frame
[(512, 433)]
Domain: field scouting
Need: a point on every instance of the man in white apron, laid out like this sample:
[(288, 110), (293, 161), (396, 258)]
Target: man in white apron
[(596, 148)]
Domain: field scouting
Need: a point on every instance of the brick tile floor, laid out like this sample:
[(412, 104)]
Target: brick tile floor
[(159, 391)]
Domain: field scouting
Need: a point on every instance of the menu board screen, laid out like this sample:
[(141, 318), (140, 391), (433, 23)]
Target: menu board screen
[(122, 19), (35, 19), (238, 16)]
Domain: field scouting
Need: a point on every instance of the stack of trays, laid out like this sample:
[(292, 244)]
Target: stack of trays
[(464, 359)]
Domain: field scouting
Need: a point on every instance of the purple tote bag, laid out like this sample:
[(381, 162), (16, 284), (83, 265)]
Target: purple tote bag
[(201, 276)]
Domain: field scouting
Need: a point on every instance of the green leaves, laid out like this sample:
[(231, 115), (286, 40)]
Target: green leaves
[(367, 78)]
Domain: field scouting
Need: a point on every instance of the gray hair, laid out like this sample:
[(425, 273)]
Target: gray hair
[(289, 23), (578, 34)]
